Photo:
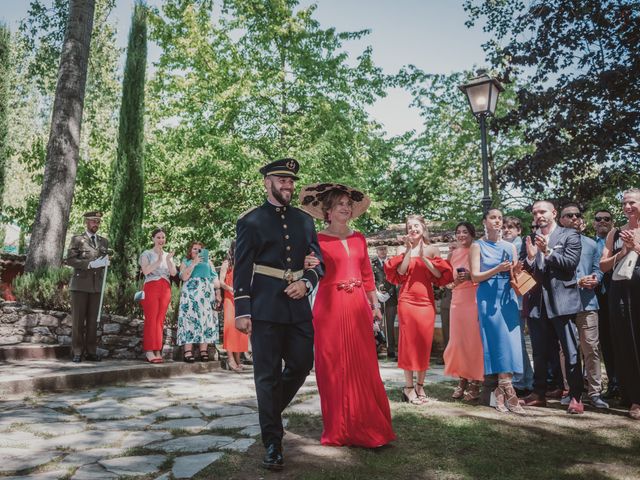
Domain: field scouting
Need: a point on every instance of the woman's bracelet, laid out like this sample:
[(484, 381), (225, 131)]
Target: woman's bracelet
[(373, 306)]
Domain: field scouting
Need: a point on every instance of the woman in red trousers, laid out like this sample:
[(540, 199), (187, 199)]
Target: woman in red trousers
[(416, 270), (355, 407), (157, 266)]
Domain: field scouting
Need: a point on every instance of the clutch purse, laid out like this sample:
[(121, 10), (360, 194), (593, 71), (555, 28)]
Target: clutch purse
[(624, 268), (138, 296), (522, 282)]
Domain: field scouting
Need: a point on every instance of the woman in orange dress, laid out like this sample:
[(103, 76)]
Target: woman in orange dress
[(354, 403), (463, 356), (416, 270), (234, 341)]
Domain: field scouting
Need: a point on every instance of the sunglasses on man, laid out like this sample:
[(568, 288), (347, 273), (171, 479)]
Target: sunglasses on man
[(572, 215), (603, 219)]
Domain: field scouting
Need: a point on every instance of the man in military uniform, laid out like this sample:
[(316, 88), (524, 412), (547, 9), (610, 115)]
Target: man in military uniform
[(390, 304), (87, 255), (270, 289)]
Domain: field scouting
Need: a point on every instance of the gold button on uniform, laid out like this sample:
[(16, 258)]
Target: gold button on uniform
[(284, 225), (288, 259), (288, 247), (286, 237), (282, 217)]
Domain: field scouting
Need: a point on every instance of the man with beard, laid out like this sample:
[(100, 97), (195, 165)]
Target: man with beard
[(551, 254), (602, 224), (270, 294), (87, 255)]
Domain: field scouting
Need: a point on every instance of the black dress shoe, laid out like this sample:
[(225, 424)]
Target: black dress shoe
[(613, 391), (273, 459), (76, 358), (92, 357)]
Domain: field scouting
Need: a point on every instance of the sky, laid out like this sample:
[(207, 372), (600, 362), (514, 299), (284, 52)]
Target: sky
[(429, 34)]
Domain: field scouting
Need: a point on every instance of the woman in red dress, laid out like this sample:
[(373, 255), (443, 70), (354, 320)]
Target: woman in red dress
[(234, 341), (416, 270), (355, 407)]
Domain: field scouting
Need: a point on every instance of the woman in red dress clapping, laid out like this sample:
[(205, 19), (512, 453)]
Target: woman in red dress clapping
[(355, 407), (416, 270)]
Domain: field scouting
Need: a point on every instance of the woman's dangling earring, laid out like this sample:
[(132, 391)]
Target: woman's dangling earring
[(486, 232)]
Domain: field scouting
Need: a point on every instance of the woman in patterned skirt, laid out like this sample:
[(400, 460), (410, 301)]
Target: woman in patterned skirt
[(197, 319)]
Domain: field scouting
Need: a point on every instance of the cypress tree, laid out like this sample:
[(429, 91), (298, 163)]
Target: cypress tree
[(5, 43), (128, 171)]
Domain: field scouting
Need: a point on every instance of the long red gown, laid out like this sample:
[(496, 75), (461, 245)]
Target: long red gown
[(355, 407), (416, 308)]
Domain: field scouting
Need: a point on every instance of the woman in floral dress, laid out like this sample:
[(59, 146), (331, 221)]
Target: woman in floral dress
[(197, 319)]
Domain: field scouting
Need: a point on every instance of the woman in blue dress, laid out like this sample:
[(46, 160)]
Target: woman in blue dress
[(197, 319), (491, 260)]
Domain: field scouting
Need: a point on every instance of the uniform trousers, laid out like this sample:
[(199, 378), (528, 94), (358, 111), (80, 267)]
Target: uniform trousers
[(545, 334), (390, 310), (587, 323), (84, 309), (276, 386), (157, 296)]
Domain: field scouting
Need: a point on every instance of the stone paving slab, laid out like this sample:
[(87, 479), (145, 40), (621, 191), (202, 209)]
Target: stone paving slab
[(17, 459), (311, 405), (18, 439), (178, 411), (250, 431), (126, 392), (143, 438), (235, 421), (139, 423), (189, 424), (57, 428), (93, 472), (79, 459), (150, 403), (107, 409), (86, 440), (189, 465), (33, 415), (133, 466), (193, 444), (240, 445), (50, 475), (217, 410)]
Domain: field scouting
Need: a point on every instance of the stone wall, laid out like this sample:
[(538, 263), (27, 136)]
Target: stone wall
[(118, 337)]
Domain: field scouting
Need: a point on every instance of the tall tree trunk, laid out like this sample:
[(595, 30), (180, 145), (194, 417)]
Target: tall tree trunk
[(46, 246), (128, 171), (5, 43)]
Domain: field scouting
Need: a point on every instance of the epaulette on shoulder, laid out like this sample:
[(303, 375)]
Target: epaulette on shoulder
[(246, 212)]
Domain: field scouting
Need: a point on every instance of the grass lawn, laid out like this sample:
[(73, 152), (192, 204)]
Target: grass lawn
[(451, 440)]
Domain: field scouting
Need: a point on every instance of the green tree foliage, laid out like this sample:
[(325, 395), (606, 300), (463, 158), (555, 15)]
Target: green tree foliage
[(128, 174), (438, 172), (581, 105), (240, 83), (38, 44), (5, 46)]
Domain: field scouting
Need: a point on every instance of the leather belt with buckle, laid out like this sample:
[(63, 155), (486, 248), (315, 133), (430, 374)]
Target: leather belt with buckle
[(288, 275)]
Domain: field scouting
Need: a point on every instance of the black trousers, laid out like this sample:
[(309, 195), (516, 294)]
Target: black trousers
[(606, 338), (545, 334), (276, 386), (390, 311)]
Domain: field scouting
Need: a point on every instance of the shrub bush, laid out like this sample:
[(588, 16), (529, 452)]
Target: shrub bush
[(45, 288)]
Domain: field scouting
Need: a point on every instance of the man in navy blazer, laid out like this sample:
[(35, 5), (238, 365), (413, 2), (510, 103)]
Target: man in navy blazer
[(551, 254)]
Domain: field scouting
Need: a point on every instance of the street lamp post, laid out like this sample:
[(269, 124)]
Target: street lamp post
[(482, 92)]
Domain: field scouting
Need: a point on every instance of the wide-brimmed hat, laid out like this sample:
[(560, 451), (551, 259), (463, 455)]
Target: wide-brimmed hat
[(312, 196)]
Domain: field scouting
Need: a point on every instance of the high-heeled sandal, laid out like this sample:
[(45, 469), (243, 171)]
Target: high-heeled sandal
[(423, 398), (405, 398), (473, 392), (204, 355), (458, 392), (499, 395), (511, 399)]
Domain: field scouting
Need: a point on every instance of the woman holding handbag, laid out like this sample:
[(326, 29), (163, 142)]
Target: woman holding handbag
[(621, 254), (492, 260)]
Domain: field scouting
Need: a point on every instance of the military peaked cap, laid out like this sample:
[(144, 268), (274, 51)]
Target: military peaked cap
[(285, 167)]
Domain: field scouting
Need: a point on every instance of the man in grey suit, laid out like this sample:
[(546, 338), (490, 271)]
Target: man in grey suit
[(551, 254), (87, 255), (589, 277)]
